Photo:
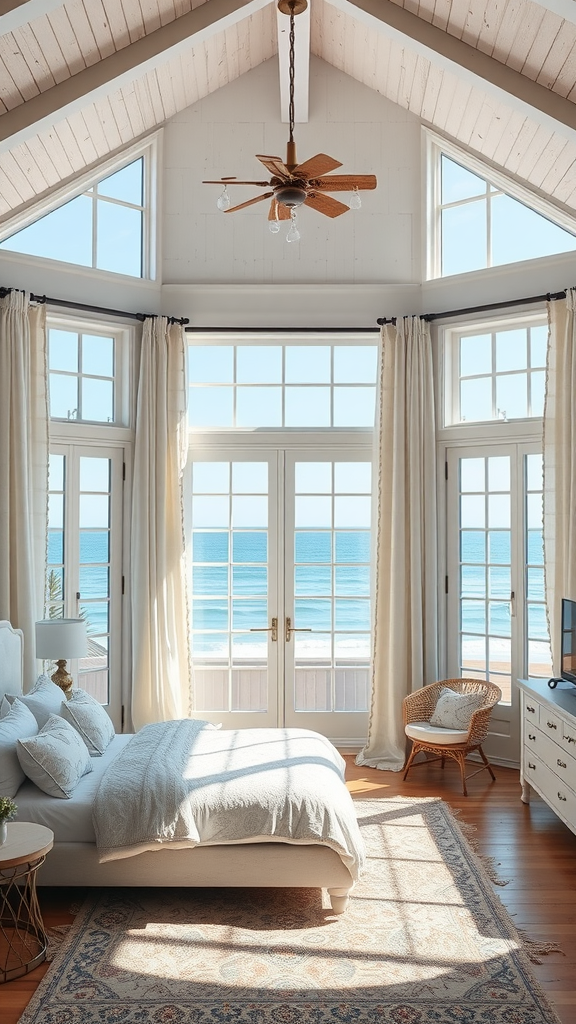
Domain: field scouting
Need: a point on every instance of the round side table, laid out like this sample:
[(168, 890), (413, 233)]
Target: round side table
[(22, 936)]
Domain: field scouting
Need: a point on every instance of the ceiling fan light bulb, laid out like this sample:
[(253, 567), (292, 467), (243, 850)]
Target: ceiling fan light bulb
[(274, 227), (223, 201), (355, 200), (290, 195)]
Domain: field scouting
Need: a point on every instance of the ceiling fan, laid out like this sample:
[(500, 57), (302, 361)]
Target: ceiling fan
[(292, 184)]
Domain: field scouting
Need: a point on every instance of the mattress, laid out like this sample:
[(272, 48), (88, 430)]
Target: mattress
[(70, 820)]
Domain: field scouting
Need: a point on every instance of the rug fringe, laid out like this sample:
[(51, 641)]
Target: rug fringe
[(490, 864), (535, 949), (55, 936)]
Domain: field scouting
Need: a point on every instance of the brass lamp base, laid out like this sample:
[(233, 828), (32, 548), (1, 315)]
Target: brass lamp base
[(62, 678)]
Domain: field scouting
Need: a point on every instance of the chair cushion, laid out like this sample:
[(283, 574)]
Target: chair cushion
[(425, 732), (454, 710)]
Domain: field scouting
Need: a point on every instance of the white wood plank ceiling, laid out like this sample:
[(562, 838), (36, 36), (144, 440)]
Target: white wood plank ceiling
[(80, 80)]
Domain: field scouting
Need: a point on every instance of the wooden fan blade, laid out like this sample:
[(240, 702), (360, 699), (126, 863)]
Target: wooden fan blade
[(227, 181), (346, 182), (325, 204), (319, 164), (274, 164), (282, 214), (249, 202)]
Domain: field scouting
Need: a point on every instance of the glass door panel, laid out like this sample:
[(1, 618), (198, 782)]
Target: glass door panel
[(233, 547), (84, 577), (327, 593)]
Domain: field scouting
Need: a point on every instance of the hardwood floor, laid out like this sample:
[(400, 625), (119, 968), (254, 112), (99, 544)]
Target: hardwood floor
[(529, 844)]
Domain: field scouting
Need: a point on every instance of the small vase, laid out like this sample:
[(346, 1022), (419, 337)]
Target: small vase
[(3, 831)]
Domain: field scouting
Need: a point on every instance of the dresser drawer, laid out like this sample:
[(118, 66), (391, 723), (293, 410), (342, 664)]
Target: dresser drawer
[(550, 722), (531, 709), (553, 754), (554, 790)]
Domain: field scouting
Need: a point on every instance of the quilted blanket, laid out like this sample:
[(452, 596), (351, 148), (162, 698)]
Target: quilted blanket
[(185, 783)]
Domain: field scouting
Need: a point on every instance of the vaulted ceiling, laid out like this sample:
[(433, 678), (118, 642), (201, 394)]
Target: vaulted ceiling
[(81, 79)]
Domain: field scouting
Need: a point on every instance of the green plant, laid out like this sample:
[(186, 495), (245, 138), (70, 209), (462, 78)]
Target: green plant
[(7, 808)]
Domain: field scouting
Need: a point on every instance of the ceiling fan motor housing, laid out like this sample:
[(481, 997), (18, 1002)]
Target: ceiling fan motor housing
[(291, 195)]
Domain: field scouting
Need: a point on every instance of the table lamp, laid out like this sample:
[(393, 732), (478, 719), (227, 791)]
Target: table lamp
[(58, 640)]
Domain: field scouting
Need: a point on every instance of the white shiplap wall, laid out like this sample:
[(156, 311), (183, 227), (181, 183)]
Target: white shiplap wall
[(221, 134)]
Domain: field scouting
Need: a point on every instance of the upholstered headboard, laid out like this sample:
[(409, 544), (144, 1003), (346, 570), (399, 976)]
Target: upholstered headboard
[(11, 659)]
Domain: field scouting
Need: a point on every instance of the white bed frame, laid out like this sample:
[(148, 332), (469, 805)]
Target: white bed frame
[(245, 865)]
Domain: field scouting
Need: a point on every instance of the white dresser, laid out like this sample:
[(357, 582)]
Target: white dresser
[(548, 738)]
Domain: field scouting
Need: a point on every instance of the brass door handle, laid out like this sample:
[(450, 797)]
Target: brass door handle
[(273, 629), (294, 629)]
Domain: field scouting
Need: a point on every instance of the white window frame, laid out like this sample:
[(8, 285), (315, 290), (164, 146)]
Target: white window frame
[(122, 367), (449, 391), (150, 150), (485, 435), (435, 147), (118, 435), (282, 339)]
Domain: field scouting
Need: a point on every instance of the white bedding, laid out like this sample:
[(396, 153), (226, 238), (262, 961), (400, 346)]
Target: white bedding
[(180, 785), (70, 820)]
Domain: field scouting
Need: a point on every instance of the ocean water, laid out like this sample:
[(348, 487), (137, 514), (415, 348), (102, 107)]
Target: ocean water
[(331, 586), (94, 575)]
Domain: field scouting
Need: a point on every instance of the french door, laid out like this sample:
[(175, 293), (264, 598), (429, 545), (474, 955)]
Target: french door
[(280, 584), (84, 565), (496, 618)]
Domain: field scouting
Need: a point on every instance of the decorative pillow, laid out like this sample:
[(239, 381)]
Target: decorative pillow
[(56, 759), (454, 710), (18, 723), (89, 718), (43, 700)]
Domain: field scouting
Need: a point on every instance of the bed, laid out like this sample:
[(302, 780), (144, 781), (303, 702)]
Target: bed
[(270, 861)]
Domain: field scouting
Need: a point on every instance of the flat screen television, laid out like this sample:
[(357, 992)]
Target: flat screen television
[(568, 643)]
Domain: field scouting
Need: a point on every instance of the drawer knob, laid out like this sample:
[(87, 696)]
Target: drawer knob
[(560, 797), (551, 725), (561, 764), (531, 736), (532, 766), (530, 709), (571, 739)]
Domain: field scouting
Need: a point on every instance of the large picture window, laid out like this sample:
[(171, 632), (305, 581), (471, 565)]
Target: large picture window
[(479, 218)]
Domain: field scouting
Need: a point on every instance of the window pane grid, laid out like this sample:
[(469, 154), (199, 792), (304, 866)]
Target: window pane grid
[(331, 588), (75, 393), (304, 389), (485, 571), (487, 392), (230, 585), (538, 655)]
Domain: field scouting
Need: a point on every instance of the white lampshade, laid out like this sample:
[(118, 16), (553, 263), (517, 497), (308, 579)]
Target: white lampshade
[(58, 639)]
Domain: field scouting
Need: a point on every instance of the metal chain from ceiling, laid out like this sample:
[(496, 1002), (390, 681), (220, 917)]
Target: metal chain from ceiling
[(291, 103)]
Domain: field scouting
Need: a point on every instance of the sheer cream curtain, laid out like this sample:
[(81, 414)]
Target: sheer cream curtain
[(23, 468), (160, 658), (406, 588), (559, 447)]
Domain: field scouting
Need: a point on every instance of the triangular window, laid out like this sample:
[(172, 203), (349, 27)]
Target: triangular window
[(102, 227), (483, 224)]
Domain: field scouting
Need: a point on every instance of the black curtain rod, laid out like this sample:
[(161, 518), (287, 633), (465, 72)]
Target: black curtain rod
[(549, 297), (92, 309), (281, 330)]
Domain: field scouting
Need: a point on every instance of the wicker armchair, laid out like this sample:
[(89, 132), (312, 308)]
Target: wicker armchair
[(418, 708)]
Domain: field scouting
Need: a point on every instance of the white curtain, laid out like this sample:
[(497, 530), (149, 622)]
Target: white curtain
[(160, 657), (406, 586), (559, 449), (23, 468)]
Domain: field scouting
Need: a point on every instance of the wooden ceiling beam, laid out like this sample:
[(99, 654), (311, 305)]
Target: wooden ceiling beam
[(301, 64), (123, 66), (446, 51)]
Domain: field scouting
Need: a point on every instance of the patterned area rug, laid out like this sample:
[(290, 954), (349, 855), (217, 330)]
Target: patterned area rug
[(425, 940)]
